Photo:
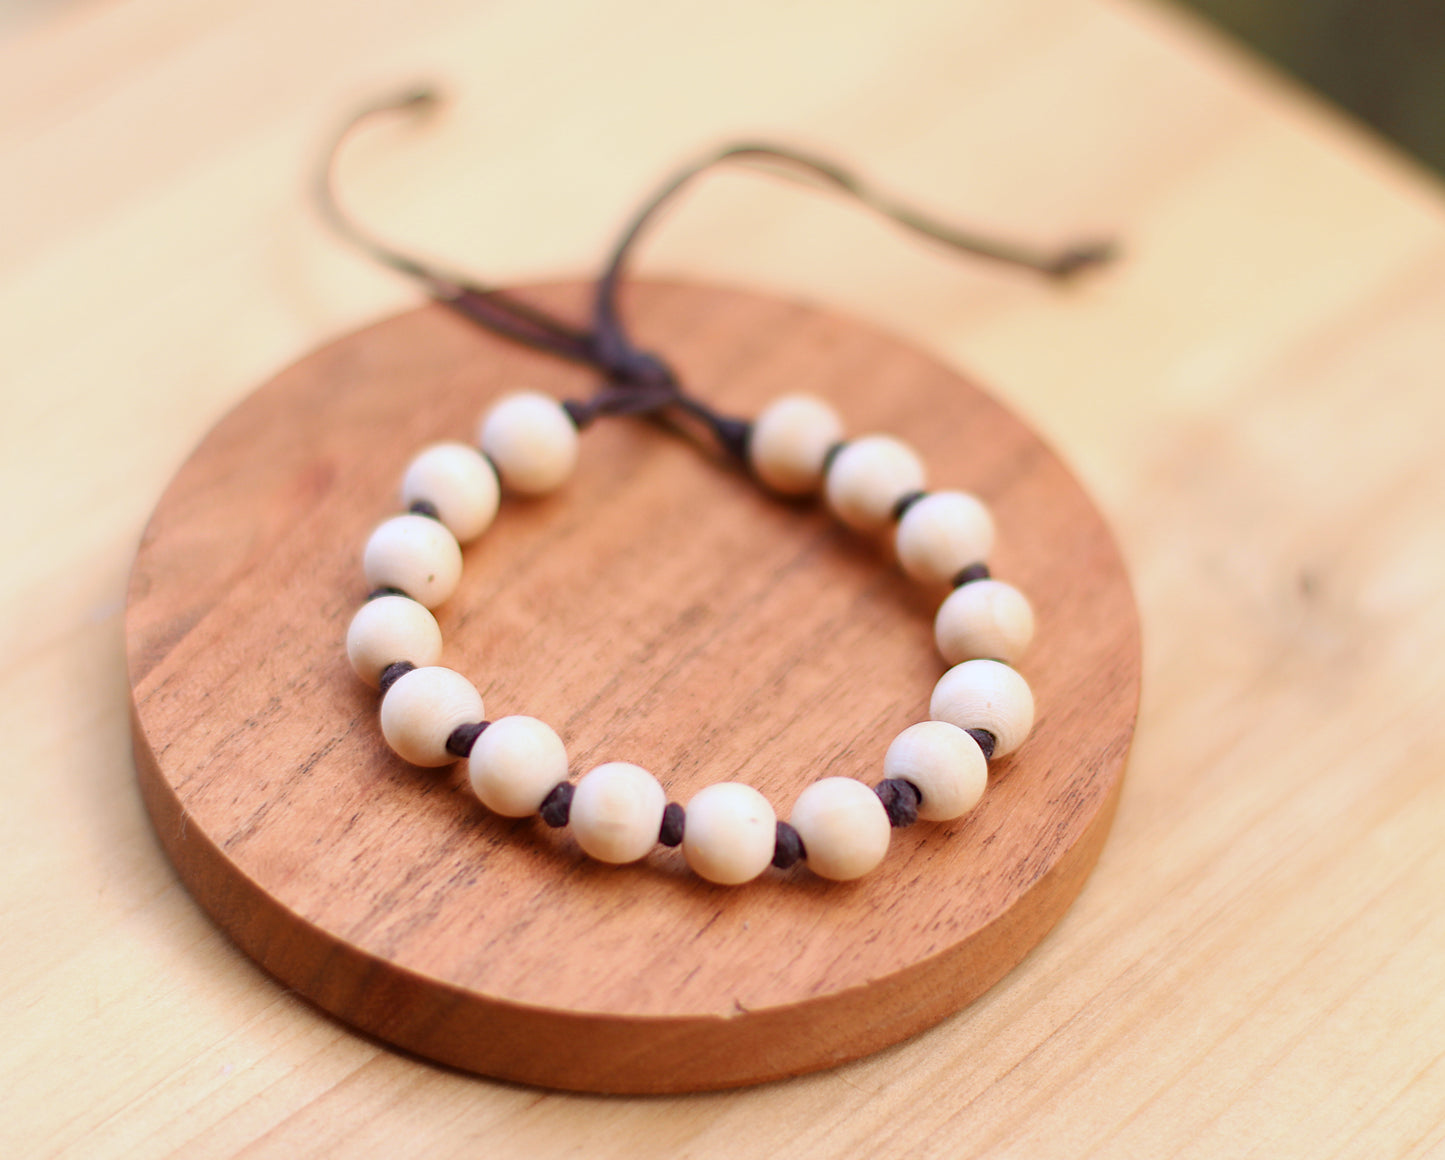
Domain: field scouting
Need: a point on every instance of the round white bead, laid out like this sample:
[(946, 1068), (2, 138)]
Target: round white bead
[(420, 711), (415, 554), (985, 694), (730, 833), (868, 477), (984, 618), (844, 828), (617, 812), (532, 440), (942, 534), (390, 629), (790, 441), (943, 763), (515, 764), (458, 481)]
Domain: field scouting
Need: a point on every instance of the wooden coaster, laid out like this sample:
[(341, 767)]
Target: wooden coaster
[(660, 609)]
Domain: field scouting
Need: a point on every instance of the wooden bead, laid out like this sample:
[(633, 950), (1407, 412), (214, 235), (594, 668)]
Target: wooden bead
[(730, 833), (515, 764), (987, 619), (415, 554), (790, 441), (844, 828), (985, 694), (617, 812), (868, 477), (943, 763), (458, 481), (390, 629), (422, 708), (532, 440), (942, 534)]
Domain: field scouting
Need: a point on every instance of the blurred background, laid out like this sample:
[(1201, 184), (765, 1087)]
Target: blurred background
[(1383, 60)]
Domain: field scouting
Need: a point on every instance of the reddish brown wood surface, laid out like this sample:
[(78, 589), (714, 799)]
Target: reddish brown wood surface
[(658, 610)]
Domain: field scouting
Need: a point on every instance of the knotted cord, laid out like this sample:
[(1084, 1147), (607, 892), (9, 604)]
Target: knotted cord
[(636, 381)]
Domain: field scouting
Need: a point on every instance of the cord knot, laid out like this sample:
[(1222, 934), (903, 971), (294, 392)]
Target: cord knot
[(636, 382), (628, 366)]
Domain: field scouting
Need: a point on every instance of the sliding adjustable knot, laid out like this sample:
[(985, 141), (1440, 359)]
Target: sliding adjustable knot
[(623, 396), (626, 366), (638, 382)]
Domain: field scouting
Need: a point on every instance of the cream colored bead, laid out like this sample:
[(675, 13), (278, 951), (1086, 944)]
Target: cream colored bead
[(985, 694), (984, 618), (844, 828), (942, 534), (390, 629), (532, 440), (458, 481), (790, 441), (415, 554), (943, 763), (420, 711), (868, 477), (730, 833), (515, 764), (617, 812)]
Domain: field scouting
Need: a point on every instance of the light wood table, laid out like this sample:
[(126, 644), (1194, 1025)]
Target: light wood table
[(1254, 396)]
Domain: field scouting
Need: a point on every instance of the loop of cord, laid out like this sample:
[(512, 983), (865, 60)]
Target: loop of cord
[(636, 381)]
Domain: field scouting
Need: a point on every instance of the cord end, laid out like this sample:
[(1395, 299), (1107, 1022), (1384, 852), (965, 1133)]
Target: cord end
[(419, 98), (1077, 258), (422, 98)]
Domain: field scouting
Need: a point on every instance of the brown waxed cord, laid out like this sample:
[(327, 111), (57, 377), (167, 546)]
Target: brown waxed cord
[(638, 382), (986, 741), (674, 825), (494, 309), (900, 800), (788, 848), (393, 673)]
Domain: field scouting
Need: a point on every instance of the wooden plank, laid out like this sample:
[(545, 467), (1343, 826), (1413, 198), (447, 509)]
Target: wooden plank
[(1252, 395)]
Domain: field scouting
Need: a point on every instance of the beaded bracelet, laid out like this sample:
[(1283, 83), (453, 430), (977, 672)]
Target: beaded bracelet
[(729, 833), (936, 770)]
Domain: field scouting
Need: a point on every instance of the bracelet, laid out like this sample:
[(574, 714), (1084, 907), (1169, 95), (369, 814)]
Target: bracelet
[(729, 833), (936, 770)]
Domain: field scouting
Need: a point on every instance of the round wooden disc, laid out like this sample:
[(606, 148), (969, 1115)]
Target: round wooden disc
[(659, 609)]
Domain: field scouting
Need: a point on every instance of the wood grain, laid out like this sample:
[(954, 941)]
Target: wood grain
[(663, 610), (1252, 395)]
